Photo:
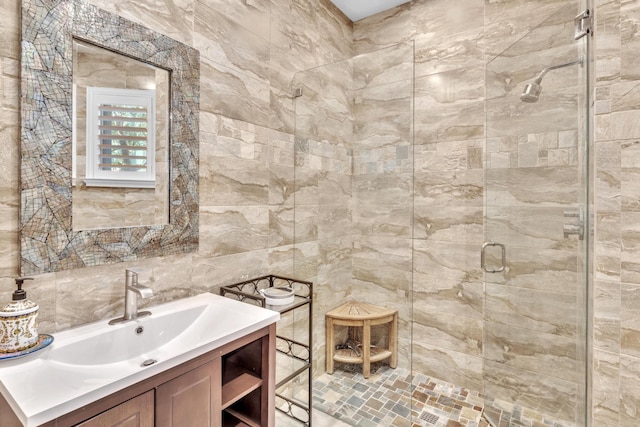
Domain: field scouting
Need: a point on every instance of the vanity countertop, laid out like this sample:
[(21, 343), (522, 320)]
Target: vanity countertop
[(59, 379)]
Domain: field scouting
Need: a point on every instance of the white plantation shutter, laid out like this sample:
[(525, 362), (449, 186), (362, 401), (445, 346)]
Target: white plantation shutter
[(120, 137)]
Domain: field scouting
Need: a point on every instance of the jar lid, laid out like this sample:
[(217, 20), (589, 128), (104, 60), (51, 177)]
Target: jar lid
[(278, 292)]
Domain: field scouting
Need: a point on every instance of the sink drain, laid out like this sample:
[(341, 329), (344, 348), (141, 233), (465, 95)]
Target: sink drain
[(148, 362)]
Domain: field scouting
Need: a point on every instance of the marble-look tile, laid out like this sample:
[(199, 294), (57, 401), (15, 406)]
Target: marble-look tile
[(430, 294), (377, 189), (443, 18), (630, 240), (335, 33), (606, 386), (608, 178), (234, 229), (238, 183), (449, 106), (625, 124), (281, 260), (461, 334), (306, 261), (629, 390), (449, 156), (229, 43), (539, 187), (324, 111), (457, 51), (458, 368), (382, 220), (306, 223), (79, 301), (501, 10), (10, 31), (281, 148), (530, 227), (499, 36), (383, 29), (383, 114), (608, 51), (608, 248), (630, 165), (334, 188), (252, 14), (334, 221), (384, 66), (630, 17), (533, 351), (556, 110), (454, 224), (606, 316), (209, 273), (544, 394), (10, 84), (281, 184), (629, 320), (541, 311), (235, 95), (624, 96), (536, 268), (307, 191), (301, 26), (173, 18), (451, 260), (385, 261), (449, 188)]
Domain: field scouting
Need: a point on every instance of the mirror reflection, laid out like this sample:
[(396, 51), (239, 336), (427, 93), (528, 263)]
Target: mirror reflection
[(120, 137)]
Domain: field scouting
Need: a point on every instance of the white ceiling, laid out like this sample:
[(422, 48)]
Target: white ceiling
[(358, 9)]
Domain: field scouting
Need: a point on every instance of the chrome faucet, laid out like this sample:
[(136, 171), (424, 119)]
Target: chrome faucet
[(133, 290)]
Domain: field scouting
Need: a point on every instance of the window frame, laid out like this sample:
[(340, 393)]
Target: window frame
[(95, 175)]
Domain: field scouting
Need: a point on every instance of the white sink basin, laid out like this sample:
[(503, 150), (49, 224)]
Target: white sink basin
[(131, 340), (90, 362)]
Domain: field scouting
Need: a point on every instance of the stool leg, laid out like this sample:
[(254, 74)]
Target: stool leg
[(393, 341), (366, 349), (330, 345)]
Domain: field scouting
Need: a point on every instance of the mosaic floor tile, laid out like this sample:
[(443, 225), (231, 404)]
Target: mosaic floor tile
[(386, 397)]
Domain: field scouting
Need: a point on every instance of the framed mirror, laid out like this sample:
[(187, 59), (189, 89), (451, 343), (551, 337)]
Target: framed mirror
[(50, 238)]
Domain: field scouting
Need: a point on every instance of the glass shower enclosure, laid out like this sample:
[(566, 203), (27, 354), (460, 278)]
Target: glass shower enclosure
[(447, 197)]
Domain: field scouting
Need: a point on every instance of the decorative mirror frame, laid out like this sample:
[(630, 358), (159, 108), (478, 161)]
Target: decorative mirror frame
[(48, 241)]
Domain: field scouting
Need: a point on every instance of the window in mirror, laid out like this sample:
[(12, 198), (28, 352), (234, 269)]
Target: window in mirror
[(120, 138), (105, 195)]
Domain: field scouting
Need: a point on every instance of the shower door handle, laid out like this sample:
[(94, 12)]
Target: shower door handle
[(503, 257)]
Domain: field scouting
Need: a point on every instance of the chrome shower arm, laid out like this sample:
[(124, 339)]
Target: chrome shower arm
[(542, 73)]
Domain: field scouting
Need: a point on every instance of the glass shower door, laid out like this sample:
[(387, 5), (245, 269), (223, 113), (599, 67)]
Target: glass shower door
[(353, 224), (535, 251)]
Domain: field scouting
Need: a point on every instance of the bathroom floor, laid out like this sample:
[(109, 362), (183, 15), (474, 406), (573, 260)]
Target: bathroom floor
[(384, 399)]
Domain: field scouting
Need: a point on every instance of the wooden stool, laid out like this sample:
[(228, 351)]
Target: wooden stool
[(362, 315)]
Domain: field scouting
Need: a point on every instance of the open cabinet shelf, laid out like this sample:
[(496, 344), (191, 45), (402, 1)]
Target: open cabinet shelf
[(293, 355)]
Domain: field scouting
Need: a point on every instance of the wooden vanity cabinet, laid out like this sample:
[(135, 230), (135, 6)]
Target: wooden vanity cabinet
[(228, 387), (137, 412)]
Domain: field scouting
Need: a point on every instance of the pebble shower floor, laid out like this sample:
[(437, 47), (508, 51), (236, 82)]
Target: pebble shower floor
[(384, 399)]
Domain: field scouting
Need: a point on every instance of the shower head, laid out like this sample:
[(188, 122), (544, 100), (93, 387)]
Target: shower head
[(531, 92)]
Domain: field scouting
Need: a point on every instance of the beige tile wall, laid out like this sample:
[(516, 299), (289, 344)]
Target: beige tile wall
[(250, 53), (616, 394)]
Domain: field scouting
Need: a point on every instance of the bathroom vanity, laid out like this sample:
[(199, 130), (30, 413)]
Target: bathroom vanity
[(206, 361)]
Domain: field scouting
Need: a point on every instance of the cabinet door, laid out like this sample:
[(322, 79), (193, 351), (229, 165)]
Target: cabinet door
[(192, 399), (137, 412)]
